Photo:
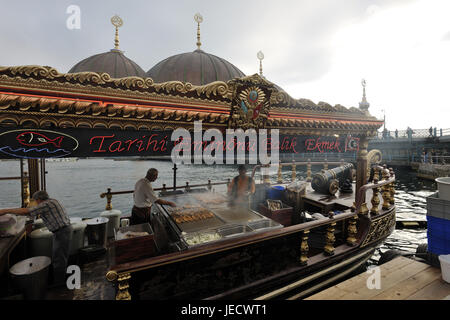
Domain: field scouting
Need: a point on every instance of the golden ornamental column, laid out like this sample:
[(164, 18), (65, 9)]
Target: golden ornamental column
[(361, 165), (352, 231), (308, 171), (330, 239), (25, 191), (108, 196), (392, 187), (375, 198), (304, 248), (280, 178), (386, 191), (294, 170), (121, 281)]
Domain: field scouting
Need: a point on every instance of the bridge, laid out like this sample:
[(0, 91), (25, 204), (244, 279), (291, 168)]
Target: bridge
[(425, 150)]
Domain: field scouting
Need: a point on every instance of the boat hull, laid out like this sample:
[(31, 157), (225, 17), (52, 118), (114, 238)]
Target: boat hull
[(257, 269)]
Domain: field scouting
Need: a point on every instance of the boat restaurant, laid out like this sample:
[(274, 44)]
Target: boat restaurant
[(291, 238)]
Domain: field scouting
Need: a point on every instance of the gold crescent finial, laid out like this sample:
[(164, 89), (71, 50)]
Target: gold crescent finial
[(199, 19), (260, 56), (116, 22)]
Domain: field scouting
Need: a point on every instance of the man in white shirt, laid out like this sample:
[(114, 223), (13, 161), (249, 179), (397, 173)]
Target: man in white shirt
[(144, 197)]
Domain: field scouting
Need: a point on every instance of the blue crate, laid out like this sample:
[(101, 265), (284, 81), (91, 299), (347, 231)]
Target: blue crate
[(438, 249), (438, 234)]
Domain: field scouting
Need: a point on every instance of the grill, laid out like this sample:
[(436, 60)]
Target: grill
[(224, 222)]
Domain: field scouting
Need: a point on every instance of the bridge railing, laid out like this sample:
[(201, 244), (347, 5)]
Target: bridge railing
[(415, 133), (438, 159)]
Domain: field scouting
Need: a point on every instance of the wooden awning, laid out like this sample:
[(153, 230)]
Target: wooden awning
[(41, 96)]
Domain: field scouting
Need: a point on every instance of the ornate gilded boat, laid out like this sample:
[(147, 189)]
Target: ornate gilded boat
[(90, 114)]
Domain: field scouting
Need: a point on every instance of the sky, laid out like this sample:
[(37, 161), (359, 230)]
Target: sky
[(314, 49)]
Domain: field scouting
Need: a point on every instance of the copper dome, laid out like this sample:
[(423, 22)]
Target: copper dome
[(196, 67), (113, 62)]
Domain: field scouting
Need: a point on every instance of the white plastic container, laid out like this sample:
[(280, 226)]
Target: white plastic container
[(75, 220), (41, 242), (113, 220), (445, 267), (77, 237), (444, 187)]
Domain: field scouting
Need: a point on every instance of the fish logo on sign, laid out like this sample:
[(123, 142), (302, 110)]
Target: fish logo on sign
[(36, 144), (35, 139)]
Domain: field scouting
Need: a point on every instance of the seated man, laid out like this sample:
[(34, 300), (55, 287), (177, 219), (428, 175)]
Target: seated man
[(240, 188), (144, 197)]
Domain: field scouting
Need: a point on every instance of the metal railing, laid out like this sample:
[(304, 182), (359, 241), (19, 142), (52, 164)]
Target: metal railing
[(25, 183), (383, 184), (108, 194), (416, 158), (413, 133)]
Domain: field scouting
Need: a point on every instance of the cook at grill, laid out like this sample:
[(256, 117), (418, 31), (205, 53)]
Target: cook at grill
[(241, 187), (144, 197)]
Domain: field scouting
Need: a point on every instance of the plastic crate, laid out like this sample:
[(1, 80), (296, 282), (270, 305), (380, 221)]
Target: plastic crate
[(437, 207), (438, 234)]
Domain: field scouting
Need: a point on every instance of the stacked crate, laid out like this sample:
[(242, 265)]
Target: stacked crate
[(438, 217)]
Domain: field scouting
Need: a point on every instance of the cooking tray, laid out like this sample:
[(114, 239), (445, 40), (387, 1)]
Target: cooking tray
[(238, 215), (211, 199), (264, 225), (234, 230), (194, 226), (183, 199), (194, 239)]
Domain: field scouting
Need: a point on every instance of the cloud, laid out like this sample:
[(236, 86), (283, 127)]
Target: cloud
[(446, 37)]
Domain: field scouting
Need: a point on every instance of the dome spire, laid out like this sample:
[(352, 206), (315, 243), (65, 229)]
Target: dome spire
[(199, 19), (260, 56), (116, 22), (364, 105)]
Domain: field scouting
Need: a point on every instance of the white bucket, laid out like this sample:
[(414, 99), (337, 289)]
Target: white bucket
[(444, 187), (445, 267)]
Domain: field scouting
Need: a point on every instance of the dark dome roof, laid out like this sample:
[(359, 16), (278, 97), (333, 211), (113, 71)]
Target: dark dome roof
[(196, 67), (112, 62)]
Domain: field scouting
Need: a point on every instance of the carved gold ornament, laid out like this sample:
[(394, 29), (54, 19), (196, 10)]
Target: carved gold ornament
[(380, 228), (229, 99)]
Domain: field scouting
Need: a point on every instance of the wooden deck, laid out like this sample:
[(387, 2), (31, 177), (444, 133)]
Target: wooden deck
[(401, 279)]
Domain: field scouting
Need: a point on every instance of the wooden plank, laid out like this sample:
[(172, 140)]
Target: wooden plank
[(410, 286), (352, 284), (436, 290), (396, 263), (388, 280)]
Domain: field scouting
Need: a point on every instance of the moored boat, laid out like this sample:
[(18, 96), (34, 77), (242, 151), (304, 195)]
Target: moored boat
[(93, 115)]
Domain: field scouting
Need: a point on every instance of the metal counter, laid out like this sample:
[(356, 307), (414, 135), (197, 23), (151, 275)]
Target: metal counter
[(224, 223)]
